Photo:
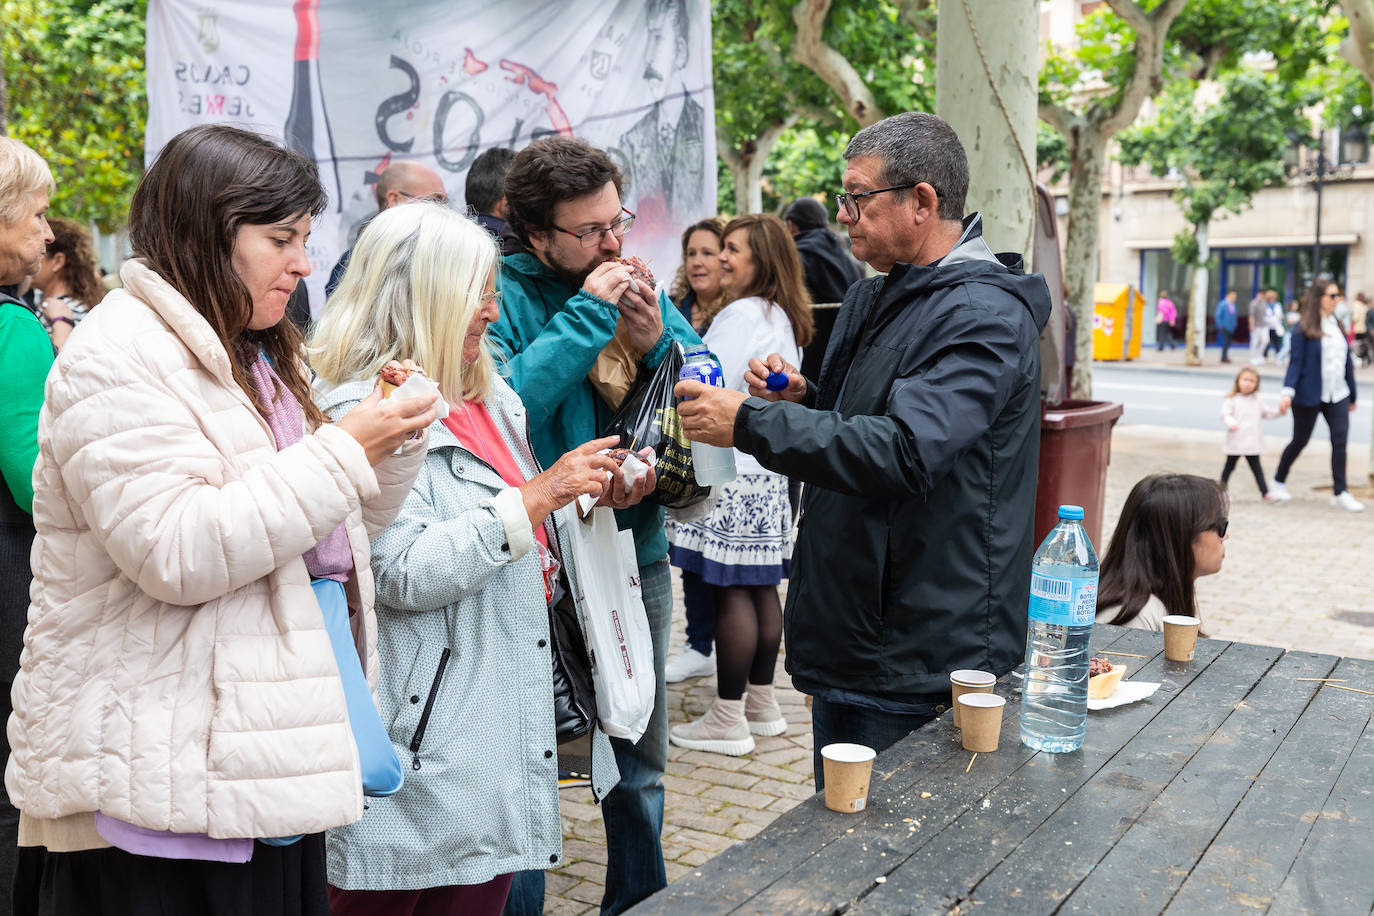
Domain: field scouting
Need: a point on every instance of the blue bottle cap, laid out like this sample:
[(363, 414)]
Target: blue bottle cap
[(1071, 512), (777, 381)]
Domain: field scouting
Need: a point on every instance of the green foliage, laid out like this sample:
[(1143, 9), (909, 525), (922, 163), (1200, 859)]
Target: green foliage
[(805, 162), (758, 85), (725, 188), (1224, 152), (74, 73), (1102, 63), (1216, 34), (1185, 249), (1208, 37), (1052, 150), (1343, 88), (889, 55)]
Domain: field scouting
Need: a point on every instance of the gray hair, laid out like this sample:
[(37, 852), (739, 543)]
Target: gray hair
[(23, 175), (915, 147)]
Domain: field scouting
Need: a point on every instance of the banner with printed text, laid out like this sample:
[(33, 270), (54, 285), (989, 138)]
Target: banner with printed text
[(359, 85)]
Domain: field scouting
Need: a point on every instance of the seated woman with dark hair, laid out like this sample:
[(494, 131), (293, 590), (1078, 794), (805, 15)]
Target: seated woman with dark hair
[(1172, 531)]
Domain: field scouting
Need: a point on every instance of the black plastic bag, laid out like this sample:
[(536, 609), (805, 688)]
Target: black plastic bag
[(574, 696), (648, 417)]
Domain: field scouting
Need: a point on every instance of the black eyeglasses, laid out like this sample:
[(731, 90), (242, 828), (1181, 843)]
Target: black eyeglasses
[(849, 203), (427, 198), (592, 237), (1220, 527)]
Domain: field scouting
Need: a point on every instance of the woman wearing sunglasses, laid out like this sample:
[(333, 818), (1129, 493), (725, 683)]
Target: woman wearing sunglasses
[(1172, 532)]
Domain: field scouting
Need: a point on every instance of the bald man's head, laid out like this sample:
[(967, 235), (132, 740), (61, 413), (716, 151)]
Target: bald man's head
[(403, 181)]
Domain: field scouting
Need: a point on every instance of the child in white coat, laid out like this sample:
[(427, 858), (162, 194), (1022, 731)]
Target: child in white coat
[(1242, 412)]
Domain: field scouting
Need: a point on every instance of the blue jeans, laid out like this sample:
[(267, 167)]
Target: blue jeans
[(840, 722), (700, 606), (633, 810), (526, 897), (1224, 338)]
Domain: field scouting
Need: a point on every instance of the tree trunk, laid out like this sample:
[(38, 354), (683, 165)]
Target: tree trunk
[(810, 50), (1358, 46), (1086, 155), (1001, 155), (1197, 300), (746, 165)]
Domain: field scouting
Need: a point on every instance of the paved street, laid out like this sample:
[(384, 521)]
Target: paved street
[(1159, 390), (1297, 575)]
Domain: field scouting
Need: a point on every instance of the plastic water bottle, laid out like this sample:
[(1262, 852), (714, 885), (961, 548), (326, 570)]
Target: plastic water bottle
[(1063, 605), (712, 465)]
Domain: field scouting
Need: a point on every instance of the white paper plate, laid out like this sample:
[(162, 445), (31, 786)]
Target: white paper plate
[(1126, 692)]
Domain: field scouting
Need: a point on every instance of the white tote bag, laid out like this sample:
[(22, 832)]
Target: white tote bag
[(621, 649)]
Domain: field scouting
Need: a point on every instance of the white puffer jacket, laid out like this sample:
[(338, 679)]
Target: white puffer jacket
[(176, 672)]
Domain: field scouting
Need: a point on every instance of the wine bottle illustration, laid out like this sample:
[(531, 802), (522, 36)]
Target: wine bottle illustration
[(307, 123)]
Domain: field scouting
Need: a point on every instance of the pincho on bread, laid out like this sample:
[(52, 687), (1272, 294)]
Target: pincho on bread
[(640, 273), (392, 376), (1103, 677)]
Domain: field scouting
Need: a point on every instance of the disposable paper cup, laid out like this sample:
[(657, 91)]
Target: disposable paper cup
[(982, 718), (969, 680), (1180, 636), (848, 768)]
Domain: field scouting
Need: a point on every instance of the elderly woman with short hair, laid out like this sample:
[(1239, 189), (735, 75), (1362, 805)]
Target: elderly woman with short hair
[(25, 352)]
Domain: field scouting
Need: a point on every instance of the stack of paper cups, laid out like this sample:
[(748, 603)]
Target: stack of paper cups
[(968, 681)]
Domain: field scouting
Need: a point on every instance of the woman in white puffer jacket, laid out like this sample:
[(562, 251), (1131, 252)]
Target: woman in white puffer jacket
[(178, 697)]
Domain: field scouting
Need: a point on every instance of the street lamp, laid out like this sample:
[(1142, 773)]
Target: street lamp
[(1315, 167)]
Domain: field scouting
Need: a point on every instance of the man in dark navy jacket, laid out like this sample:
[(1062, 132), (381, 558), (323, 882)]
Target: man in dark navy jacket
[(918, 446), (828, 269)]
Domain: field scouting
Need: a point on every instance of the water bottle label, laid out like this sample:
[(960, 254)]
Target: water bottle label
[(1063, 602)]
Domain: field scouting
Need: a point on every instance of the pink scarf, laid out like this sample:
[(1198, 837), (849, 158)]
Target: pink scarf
[(332, 557)]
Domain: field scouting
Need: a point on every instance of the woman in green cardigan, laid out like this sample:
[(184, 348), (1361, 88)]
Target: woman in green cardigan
[(27, 354)]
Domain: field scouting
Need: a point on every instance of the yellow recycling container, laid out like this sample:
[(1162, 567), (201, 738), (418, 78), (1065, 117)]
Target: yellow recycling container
[(1117, 315)]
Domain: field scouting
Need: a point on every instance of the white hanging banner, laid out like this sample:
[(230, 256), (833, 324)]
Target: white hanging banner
[(359, 85)]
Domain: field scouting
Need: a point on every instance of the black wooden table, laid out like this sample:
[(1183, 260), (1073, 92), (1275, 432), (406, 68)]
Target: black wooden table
[(1237, 787)]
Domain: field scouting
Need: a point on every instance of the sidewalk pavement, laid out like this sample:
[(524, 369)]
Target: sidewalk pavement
[(1151, 358), (1296, 575)]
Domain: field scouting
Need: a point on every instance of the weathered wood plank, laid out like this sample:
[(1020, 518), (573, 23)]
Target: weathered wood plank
[(1141, 872), (1246, 863), (1334, 873), (944, 872), (746, 870), (1051, 862), (849, 866)]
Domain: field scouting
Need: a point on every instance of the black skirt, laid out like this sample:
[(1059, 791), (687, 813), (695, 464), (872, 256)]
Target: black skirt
[(277, 881)]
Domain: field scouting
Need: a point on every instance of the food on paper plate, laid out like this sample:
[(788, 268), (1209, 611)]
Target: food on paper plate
[(639, 272), (1103, 677), (392, 377)]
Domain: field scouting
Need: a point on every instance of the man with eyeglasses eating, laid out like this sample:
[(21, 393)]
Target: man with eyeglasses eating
[(917, 447), (561, 302)]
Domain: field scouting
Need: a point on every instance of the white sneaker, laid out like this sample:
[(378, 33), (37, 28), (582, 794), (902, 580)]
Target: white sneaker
[(761, 711), (1280, 492), (723, 730), (689, 663), (1347, 502)]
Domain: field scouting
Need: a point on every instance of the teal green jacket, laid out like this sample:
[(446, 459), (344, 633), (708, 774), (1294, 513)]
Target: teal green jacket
[(547, 338)]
